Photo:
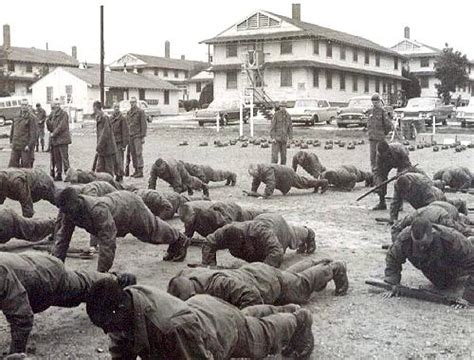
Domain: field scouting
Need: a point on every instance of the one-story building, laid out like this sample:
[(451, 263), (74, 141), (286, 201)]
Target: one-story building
[(198, 82), (79, 88)]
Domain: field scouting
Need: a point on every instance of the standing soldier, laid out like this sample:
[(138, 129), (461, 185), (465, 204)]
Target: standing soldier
[(23, 138), (378, 126), (58, 125), (41, 118), (122, 135), (106, 148), (137, 123), (281, 130)]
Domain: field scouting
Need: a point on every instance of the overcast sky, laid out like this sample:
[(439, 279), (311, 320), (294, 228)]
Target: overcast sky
[(143, 26)]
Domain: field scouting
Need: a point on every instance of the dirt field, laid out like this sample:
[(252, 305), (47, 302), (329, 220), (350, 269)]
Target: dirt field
[(361, 325)]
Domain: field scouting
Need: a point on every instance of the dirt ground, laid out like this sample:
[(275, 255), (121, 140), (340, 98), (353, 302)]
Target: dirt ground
[(361, 325)]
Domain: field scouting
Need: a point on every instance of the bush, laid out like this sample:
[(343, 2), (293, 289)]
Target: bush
[(207, 95), (190, 104)]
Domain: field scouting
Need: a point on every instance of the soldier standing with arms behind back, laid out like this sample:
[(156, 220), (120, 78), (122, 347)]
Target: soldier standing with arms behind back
[(137, 123), (106, 148), (41, 119), (58, 125), (23, 138), (378, 126), (280, 131), (122, 136)]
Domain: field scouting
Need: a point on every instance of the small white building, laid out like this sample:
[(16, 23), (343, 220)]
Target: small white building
[(198, 82), (79, 88)]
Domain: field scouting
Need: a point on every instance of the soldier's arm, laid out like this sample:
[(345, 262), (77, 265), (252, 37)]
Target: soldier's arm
[(125, 133), (49, 123), (153, 177), (16, 308), (294, 164), (255, 183), (270, 182), (393, 263), (33, 131), (143, 124), (62, 237), (212, 244), (396, 204), (273, 249), (234, 291), (290, 127), (272, 127), (387, 124), (121, 347), (102, 141), (11, 131), (177, 182), (62, 126), (106, 236)]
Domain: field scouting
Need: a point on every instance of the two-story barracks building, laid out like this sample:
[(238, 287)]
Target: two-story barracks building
[(298, 59)]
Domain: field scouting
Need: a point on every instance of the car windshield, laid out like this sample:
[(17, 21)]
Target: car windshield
[(417, 102), (306, 103), (362, 103)]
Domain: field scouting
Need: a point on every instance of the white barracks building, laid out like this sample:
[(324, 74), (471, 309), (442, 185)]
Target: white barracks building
[(290, 59)]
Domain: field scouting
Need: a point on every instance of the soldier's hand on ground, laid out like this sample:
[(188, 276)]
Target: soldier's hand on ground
[(395, 292), (460, 303), (17, 356)]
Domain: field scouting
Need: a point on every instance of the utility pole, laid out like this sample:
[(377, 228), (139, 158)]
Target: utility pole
[(102, 93)]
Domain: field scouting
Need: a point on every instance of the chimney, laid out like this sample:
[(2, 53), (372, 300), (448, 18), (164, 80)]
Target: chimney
[(167, 49), (74, 52), (406, 32), (183, 57), (6, 37), (47, 46), (296, 11)]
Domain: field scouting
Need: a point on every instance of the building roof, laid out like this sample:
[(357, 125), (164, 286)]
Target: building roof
[(414, 48), (322, 65), (169, 63), (119, 79), (39, 56), (205, 75), (306, 30)]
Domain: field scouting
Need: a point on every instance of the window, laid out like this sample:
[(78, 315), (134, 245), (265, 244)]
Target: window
[(342, 81), (329, 49), (328, 79), (424, 62), (139, 71), (424, 82), (155, 72), (367, 57), (366, 84), (355, 85), (11, 66), (355, 55), (343, 52), (286, 47), (377, 59), (316, 78), (231, 50), (68, 94), (49, 94), (316, 47), (377, 85), (232, 80), (384, 87), (166, 99), (176, 74), (29, 68), (395, 63), (286, 78), (198, 87)]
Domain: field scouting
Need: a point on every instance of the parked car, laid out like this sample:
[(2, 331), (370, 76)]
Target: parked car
[(228, 111), (10, 109), (312, 111), (465, 114), (356, 111), (125, 106), (425, 108)]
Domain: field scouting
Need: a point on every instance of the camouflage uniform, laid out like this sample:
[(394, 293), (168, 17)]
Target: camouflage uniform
[(26, 186), (175, 174), (203, 327), (23, 133), (378, 126), (281, 130), (31, 283), (282, 178), (206, 174), (265, 239), (108, 217), (259, 283), (13, 225), (205, 217), (456, 177), (449, 257), (309, 162)]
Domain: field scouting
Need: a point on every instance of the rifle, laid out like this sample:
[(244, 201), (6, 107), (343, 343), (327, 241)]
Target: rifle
[(94, 163), (386, 182), (419, 294)]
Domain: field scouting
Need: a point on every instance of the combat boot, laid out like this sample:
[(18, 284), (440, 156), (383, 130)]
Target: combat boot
[(339, 276), (182, 249), (233, 179), (381, 205), (127, 171), (322, 184), (302, 342), (138, 174), (125, 279), (205, 191), (310, 241)]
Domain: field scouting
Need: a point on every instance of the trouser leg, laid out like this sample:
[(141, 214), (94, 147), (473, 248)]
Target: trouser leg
[(136, 151), (282, 145), (469, 289), (275, 150), (162, 232), (57, 160), (23, 193), (260, 311), (64, 151), (33, 229), (301, 182), (27, 158), (15, 156), (373, 154), (119, 161)]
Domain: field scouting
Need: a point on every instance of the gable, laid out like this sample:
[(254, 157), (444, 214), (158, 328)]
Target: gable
[(257, 23), (128, 60), (406, 45)]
